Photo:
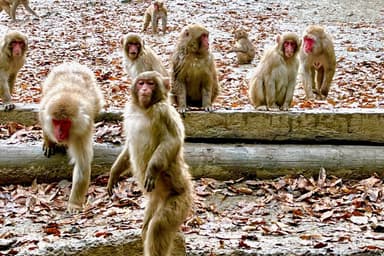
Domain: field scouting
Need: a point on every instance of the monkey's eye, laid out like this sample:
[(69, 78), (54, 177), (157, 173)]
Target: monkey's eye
[(14, 43), (140, 82)]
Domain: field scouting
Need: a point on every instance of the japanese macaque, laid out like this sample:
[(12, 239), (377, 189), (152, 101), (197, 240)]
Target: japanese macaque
[(70, 102), (13, 49), (139, 57), (194, 76), (154, 152), (153, 14), (273, 82), (244, 48), (10, 6), (318, 62)]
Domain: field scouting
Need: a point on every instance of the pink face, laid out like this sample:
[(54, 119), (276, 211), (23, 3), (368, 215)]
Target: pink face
[(133, 49), (144, 89), (17, 48), (308, 44), (289, 48), (204, 40), (61, 129), (157, 6)]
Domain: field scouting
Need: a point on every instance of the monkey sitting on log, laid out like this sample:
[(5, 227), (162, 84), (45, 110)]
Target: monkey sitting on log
[(154, 152), (273, 82), (70, 102), (194, 76)]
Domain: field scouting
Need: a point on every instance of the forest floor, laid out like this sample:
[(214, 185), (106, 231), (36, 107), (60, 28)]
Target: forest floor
[(287, 216)]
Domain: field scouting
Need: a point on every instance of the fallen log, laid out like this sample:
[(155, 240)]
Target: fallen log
[(305, 126), (24, 163)]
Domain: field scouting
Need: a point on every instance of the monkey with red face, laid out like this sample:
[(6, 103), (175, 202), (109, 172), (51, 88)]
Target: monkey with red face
[(71, 100), (318, 61)]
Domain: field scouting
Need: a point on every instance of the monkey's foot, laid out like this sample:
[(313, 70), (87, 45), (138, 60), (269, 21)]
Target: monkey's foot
[(74, 208), (261, 108), (9, 107), (182, 110), (208, 109)]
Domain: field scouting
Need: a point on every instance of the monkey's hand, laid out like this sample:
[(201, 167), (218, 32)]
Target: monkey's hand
[(150, 179), (112, 181), (9, 107), (49, 148)]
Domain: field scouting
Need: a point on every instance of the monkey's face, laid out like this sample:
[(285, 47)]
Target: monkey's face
[(145, 89), (308, 44), (133, 50), (289, 48), (17, 47), (240, 34), (149, 88)]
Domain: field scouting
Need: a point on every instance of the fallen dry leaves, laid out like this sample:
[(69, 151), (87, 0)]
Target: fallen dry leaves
[(89, 32), (326, 212)]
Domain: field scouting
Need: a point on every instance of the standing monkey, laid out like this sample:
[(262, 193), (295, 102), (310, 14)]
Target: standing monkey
[(244, 48), (154, 152), (71, 100), (138, 57), (194, 74), (10, 6), (13, 49), (317, 57), (273, 82), (153, 14)]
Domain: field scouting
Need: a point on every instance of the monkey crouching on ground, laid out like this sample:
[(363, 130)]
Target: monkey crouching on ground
[(244, 48), (70, 102), (154, 152), (13, 51), (273, 83)]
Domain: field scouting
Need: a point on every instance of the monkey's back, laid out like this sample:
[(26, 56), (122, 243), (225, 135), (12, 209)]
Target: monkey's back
[(76, 79)]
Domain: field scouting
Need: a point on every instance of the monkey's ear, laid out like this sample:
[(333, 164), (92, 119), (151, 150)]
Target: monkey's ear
[(278, 38), (186, 32), (122, 40), (167, 83)]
